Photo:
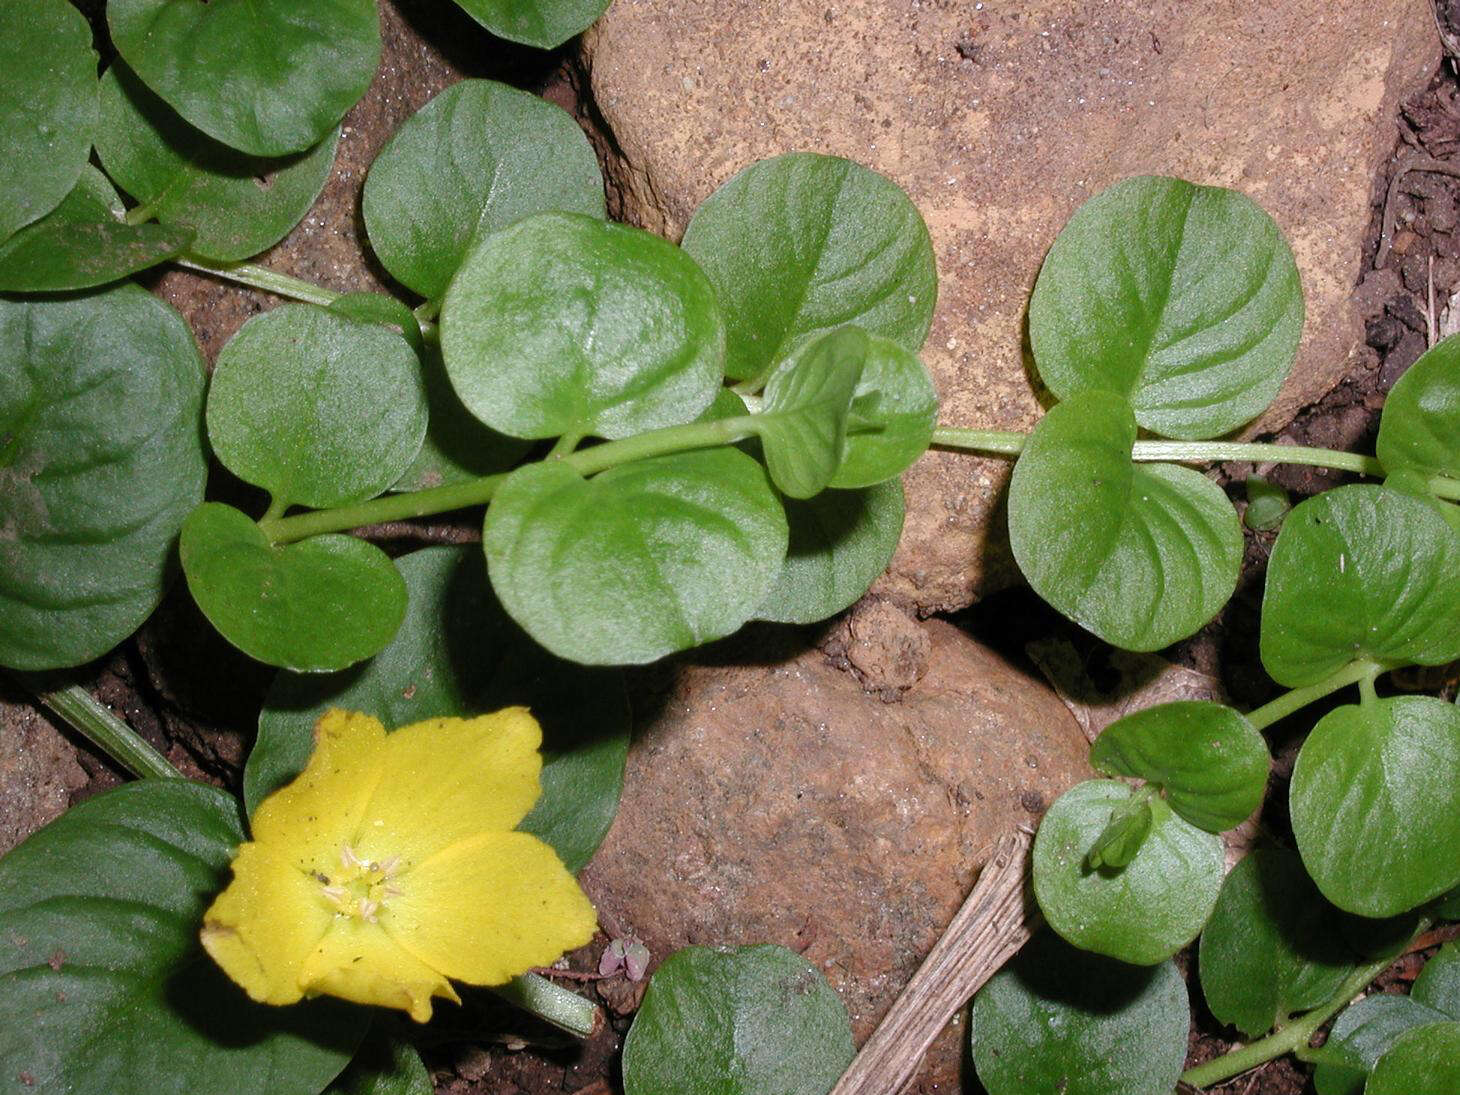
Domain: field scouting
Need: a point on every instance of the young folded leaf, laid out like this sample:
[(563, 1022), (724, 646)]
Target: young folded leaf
[(802, 424)]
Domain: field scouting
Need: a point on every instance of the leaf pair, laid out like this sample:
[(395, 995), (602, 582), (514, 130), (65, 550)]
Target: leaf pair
[(1132, 874), (1170, 307), (1388, 1045), (321, 410)]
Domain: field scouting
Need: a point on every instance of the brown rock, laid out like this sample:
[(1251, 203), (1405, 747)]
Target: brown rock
[(38, 771), (781, 803), (1000, 119), (886, 648)]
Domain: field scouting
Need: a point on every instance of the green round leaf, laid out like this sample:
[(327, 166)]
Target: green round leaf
[(737, 1021), (1207, 758), (841, 540), (1375, 803), (1420, 426), (546, 24), (100, 462), (318, 605), (1141, 913), (1356, 572), (457, 654), (99, 953), (563, 324), (457, 446), (803, 421), (267, 77), (1361, 1035), (1140, 554), (478, 157), (384, 1066), (1424, 1061), (643, 560), (1272, 947), (893, 414), (1448, 906), (1057, 1019), (1183, 299), (237, 204), (47, 107), (316, 408), (803, 243), (81, 243), (1438, 984)]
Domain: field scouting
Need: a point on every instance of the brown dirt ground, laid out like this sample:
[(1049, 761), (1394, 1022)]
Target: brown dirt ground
[(195, 700)]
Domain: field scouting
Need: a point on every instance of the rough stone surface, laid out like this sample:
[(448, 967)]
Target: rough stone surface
[(38, 771), (1000, 119), (779, 802)]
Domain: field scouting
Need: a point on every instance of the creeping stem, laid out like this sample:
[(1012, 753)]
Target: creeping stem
[(261, 277), (475, 492), (1009, 443), (1295, 1036), (1276, 710)]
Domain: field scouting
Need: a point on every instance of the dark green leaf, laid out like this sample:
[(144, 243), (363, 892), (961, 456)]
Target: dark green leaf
[(1438, 984), (100, 461), (457, 446), (1208, 759), (841, 540), (81, 243), (267, 77), (1375, 803), (1272, 947), (802, 243), (1183, 299), (1361, 1034), (1267, 505), (237, 204), (1448, 906), (318, 605), (893, 414), (478, 157), (1140, 554), (99, 953), (1423, 1061), (1420, 426), (563, 324), (316, 408), (457, 654), (47, 107), (1142, 913), (803, 422), (737, 1021), (1063, 1020), (384, 1066), (643, 560), (1357, 572), (546, 24)]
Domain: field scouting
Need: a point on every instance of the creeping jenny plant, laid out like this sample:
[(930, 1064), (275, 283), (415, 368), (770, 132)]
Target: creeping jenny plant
[(389, 865)]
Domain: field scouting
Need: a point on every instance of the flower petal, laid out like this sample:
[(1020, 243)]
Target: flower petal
[(319, 812), (489, 908), (265, 924), (358, 961), (449, 779)]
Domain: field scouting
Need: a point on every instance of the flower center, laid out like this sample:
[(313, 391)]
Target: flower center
[(359, 888)]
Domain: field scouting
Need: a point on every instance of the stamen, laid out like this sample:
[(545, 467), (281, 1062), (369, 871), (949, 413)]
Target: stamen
[(349, 858), (390, 866), (334, 893)]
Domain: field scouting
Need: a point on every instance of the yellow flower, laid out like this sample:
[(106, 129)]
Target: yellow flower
[(390, 864)]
